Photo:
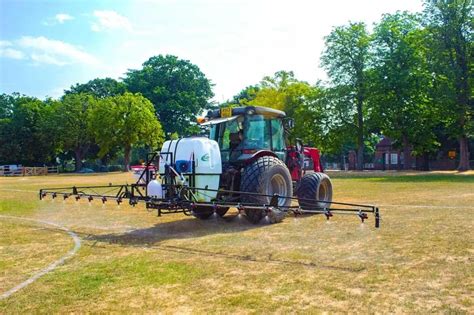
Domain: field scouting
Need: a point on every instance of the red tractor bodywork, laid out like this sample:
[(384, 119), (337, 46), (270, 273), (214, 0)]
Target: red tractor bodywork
[(297, 164)]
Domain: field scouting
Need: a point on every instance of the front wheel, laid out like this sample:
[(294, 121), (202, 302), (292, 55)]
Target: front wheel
[(267, 176)]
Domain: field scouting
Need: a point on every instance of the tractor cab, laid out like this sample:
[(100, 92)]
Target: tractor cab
[(243, 132)]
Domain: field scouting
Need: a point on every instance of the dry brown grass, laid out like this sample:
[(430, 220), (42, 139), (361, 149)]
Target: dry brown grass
[(421, 260)]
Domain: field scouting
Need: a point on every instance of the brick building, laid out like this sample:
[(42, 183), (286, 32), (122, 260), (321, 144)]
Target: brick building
[(389, 157)]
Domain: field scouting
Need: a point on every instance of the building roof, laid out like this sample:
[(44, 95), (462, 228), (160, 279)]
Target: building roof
[(385, 142)]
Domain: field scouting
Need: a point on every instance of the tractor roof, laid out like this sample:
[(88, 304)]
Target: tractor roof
[(248, 110)]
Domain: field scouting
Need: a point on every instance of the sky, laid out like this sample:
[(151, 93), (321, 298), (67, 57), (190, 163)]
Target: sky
[(47, 46)]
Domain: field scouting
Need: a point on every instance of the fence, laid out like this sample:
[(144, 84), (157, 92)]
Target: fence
[(13, 170)]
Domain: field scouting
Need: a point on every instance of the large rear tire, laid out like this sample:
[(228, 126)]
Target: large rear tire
[(205, 212), (267, 175), (315, 186)]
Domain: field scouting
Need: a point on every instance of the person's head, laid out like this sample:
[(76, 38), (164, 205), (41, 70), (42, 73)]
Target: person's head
[(235, 138)]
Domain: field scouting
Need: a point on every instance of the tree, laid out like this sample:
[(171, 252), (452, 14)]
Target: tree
[(125, 120), (177, 88), (244, 97), (284, 92), (23, 132), (336, 118), (306, 105), (99, 88), (269, 97), (281, 91), (7, 104), (400, 80), (346, 59), (280, 80), (451, 26), (71, 116)]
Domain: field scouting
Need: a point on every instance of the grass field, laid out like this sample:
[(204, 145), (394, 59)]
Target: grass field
[(421, 260)]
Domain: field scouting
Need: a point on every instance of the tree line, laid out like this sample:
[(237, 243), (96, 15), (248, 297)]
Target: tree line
[(409, 78), (105, 118)]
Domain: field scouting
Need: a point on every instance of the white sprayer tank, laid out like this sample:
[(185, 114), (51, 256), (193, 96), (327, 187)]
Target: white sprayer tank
[(207, 160)]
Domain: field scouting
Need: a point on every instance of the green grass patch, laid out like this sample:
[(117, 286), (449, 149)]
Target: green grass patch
[(17, 206), (64, 288)]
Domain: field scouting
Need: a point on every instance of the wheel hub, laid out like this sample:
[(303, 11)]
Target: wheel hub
[(278, 186)]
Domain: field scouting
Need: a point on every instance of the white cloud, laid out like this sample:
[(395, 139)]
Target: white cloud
[(45, 58), (59, 18), (108, 19), (63, 17), (8, 52), (11, 53), (5, 43), (50, 51)]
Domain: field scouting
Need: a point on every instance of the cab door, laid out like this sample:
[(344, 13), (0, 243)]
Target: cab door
[(278, 138)]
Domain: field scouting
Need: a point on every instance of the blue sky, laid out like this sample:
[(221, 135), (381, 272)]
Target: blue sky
[(46, 46)]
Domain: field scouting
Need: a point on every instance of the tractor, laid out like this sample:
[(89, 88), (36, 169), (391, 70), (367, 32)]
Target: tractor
[(244, 162), (256, 157)]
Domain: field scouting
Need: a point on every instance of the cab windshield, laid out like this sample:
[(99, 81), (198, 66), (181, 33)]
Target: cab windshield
[(257, 133), (250, 132)]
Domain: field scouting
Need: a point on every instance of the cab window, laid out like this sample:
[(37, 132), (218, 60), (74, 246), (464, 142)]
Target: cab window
[(227, 135), (278, 139), (256, 132)]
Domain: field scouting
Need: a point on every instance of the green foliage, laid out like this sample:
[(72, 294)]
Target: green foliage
[(244, 97), (306, 105), (297, 99), (7, 104), (346, 59), (346, 56), (177, 88), (99, 88), (70, 118), (280, 80), (269, 97), (24, 136), (275, 90), (125, 120), (450, 27), (400, 83), (323, 116)]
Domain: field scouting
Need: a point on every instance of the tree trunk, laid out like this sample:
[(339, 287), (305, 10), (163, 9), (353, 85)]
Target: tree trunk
[(426, 162), (406, 154), (360, 157), (360, 136), (463, 154), (127, 151), (78, 159)]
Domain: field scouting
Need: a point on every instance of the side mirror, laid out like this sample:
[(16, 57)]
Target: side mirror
[(289, 123), (299, 145)]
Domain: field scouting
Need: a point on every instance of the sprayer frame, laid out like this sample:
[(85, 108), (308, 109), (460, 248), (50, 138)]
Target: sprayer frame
[(180, 198)]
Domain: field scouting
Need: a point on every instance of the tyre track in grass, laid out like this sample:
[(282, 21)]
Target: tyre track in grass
[(52, 266)]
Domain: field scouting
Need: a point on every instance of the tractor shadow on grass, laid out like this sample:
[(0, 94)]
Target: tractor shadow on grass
[(194, 228), (189, 227)]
